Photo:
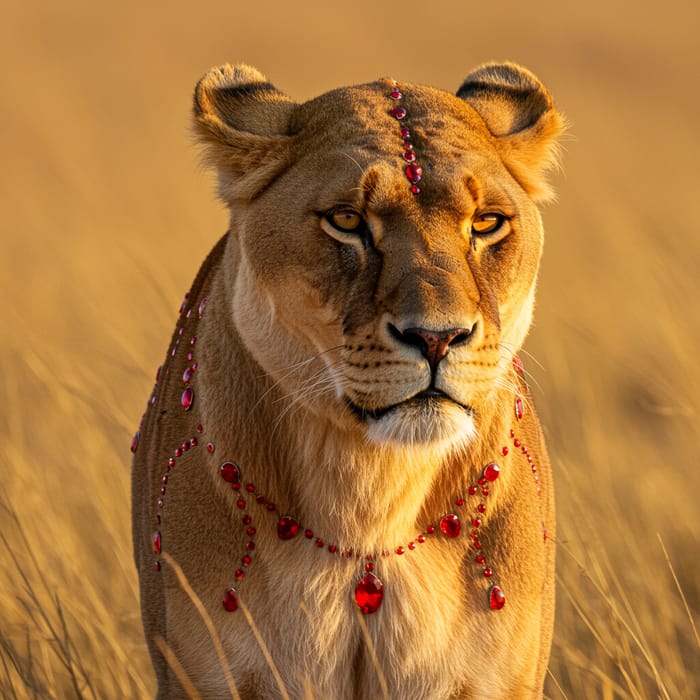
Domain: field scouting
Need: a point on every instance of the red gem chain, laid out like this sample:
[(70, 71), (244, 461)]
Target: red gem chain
[(412, 170), (369, 591)]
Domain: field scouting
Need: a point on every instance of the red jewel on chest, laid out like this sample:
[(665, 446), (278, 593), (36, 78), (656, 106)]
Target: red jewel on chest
[(369, 594)]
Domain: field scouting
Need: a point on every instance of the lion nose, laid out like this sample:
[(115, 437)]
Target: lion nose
[(434, 345)]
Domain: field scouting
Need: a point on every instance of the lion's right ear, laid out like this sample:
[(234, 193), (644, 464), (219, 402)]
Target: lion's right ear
[(243, 121)]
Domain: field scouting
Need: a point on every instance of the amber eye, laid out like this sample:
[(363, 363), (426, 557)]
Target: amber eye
[(487, 223), (347, 220)]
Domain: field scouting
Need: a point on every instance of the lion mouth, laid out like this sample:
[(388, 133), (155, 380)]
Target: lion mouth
[(429, 398)]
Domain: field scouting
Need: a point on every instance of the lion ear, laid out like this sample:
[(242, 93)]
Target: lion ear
[(242, 121), (519, 111)]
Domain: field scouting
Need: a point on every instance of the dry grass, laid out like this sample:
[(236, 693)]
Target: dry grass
[(106, 217)]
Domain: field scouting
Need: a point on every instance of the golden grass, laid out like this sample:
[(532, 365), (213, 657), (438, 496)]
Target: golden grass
[(105, 220)]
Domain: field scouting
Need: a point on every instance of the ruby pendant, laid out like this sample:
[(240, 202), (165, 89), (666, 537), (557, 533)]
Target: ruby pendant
[(369, 594), (450, 525), (496, 598), (287, 527), (230, 601)]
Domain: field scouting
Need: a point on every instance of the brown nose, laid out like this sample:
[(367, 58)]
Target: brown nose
[(434, 345)]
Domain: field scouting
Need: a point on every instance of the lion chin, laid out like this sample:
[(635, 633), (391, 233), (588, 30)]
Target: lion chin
[(436, 422)]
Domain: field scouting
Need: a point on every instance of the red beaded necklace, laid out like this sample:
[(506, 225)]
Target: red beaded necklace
[(369, 590)]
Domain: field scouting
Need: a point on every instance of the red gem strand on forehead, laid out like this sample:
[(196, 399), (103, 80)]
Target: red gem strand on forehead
[(413, 171)]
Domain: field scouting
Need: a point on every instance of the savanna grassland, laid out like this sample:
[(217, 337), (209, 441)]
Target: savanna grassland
[(106, 214)]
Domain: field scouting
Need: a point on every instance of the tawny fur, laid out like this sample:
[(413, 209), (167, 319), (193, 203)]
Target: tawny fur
[(298, 325)]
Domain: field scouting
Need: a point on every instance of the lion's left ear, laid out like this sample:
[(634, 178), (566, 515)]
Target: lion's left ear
[(519, 111)]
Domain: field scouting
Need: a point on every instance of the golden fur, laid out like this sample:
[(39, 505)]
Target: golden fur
[(315, 373)]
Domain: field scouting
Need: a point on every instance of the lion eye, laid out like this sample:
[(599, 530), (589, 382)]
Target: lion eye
[(347, 220), (487, 223)]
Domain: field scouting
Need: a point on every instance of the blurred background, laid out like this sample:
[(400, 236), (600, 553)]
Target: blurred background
[(106, 216)]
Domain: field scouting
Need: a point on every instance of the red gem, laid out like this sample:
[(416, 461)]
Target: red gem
[(450, 525), (488, 572), (178, 452), (156, 566), (491, 471), (250, 531), (421, 539), (250, 488), (158, 371), (246, 520), (481, 508), (185, 446), (413, 172), (162, 490), (414, 189), (504, 451), (250, 546), (135, 441), (395, 94), (210, 447), (472, 490), (477, 544), (240, 574), (156, 542), (184, 302), (187, 375), (240, 503), (308, 534), (193, 442), (165, 479), (202, 304), (496, 598), (189, 357), (160, 502), (405, 132), (369, 566), (193, 340), (246, 560), (409, 156), (411, 545), (287, 527), (369, 594), (430, 529), (399, 550), (230, 472), (187, 398), (230, 601), (519, 411), (332, 548), (199, 428), (319, 542), (271, 507), (459, 501), (476, 522), (480, 559), (260, 499), (398, 112), (516, 443)]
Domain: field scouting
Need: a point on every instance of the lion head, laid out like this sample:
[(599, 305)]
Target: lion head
[(387, 241)]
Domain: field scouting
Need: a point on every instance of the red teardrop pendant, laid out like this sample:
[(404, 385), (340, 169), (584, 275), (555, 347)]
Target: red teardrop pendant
[(414, 173), (369, 594), (230, 601), (230, 472), (187, 398), (287, 527), (496, 598), (519, 410), (491, 471), (450, 525)]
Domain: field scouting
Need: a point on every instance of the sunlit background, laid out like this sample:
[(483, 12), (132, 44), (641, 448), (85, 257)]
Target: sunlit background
[(105, 215)]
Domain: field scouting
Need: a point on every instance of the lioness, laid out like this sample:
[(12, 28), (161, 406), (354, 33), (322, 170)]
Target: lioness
[(341, 452)]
